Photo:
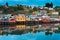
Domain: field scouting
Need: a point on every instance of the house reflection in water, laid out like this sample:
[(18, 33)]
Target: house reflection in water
[(49, 29), (20, 27), (12, 28)]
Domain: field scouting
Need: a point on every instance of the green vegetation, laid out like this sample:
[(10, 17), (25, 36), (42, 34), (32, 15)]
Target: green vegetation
[(57, 8), (22, 9)]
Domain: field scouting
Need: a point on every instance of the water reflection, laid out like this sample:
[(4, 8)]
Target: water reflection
[(36, 32), (48, 29)]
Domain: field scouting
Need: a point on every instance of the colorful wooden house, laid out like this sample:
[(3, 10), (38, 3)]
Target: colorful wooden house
[(1, 11), (1, 18), (1, 31), (28, 19), (20, 18), (5, 19), (19, 27), (12, 19)]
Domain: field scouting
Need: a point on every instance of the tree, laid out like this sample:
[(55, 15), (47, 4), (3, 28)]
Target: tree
[(30, 11), (35, 8), (6, 3), (59, 13), (49, 5), (20, 7)]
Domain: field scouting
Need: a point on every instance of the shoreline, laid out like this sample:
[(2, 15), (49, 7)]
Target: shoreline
[(28, 23)]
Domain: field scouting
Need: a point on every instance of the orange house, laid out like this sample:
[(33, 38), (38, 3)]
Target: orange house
[(1, 11), (20, 18), (0, 31), (12, 21), (1, 20)]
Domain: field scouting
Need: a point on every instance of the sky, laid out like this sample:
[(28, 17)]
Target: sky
[(30, 2)]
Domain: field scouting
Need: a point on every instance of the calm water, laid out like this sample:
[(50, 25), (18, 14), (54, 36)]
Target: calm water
[(36, 32), (31, 36)]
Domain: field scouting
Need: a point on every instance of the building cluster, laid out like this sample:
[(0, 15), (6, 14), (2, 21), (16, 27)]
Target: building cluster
[(35, 16), (45, 14)]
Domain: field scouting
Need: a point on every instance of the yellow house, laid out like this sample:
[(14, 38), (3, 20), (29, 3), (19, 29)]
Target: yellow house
[(20, 18), (0, 31), (19, 27), (0, 11), (28, 19), (33, 13)]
